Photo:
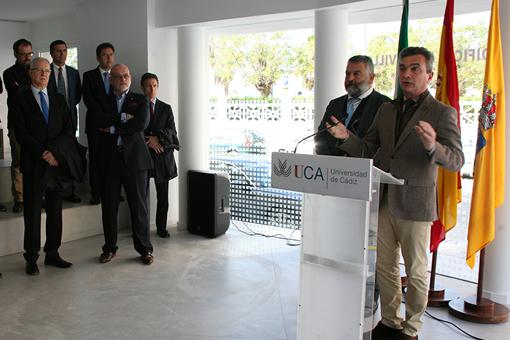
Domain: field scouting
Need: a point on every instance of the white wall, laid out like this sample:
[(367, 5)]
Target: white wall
[(45, 31)]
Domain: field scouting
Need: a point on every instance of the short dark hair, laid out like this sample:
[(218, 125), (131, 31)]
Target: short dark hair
[(55, 43), (20, 42), (147, 76), (415, 50), (103, 46), (363, 59)]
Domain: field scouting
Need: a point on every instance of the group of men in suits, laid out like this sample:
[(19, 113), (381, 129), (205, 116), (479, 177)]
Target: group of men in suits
[(121, 126), (409, 137)]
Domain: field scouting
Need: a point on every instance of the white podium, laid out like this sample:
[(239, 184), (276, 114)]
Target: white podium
[(339, 232)]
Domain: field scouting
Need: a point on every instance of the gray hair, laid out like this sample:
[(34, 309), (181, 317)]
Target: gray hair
[(363, 59), (36, 60), (414, 50)]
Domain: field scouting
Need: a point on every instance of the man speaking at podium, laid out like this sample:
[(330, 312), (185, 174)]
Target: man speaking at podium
[(356, 109), (412, 136)]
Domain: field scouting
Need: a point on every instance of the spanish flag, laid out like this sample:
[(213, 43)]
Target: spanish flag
[(489, 171), (449, 192)]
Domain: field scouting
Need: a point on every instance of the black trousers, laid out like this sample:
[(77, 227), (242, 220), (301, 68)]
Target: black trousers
[(94, 165), (32, 199), (162, 205), (135, 183)]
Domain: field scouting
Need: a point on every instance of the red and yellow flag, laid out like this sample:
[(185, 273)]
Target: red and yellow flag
[(449, 192), (489, 171)]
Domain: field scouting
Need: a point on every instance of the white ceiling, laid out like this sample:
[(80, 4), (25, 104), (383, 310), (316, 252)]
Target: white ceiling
[(33, 10)]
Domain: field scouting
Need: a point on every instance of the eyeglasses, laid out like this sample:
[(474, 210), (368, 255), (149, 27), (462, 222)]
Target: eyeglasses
[(42, 70), (29, 54)]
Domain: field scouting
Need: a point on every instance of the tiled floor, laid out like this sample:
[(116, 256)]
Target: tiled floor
[(231, 287)]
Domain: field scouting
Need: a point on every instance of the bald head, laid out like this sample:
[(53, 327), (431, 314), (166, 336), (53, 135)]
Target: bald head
[(120, 78)]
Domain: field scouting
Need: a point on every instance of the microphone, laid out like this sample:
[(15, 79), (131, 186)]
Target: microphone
[(314, 134)]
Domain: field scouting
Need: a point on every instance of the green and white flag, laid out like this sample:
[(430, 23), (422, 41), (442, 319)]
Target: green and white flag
[(403, 42)]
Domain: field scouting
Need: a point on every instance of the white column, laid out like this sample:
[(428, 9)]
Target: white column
[(330, 57), (497, 272), (193, 110)]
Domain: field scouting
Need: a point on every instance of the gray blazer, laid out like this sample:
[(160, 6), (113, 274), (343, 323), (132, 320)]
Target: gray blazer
[(406, 158)]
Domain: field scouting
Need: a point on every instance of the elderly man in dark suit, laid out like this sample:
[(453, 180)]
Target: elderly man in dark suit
[(38, 117), (356, 109), (125, 161), (161, 138), (65, 80), (412, 135), (96, 88)]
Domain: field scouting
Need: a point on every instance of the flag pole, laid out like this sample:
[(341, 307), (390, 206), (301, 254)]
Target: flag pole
[(438, 295), (477, 308)]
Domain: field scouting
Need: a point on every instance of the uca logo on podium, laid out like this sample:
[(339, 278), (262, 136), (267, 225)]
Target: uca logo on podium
[(281, 169), (327, 175)]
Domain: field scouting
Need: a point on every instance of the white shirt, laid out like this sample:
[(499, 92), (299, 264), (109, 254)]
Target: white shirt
[(35, 92), (64, 74)]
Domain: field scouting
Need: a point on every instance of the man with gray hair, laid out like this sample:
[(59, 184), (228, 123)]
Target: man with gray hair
[(412, 136), (38, 118), (356, 109)]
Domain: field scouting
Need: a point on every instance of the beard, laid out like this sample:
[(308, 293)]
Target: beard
[(356, 90)]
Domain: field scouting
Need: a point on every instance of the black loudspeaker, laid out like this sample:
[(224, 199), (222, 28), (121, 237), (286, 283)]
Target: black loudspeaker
[(208, 203)]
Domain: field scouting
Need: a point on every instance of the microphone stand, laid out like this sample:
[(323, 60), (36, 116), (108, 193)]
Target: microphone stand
[(313, 134)]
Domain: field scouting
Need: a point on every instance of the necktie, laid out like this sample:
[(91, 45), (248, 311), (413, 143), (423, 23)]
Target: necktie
[(61, 85), (106, 81), (351, 102), (44, 106), (404, 116), (152, 109)]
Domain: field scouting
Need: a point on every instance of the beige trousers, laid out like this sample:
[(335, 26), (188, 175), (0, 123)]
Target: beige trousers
[(412, 238)]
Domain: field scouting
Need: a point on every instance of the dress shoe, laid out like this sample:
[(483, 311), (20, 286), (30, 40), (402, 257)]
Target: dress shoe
[(94, 200), (147, 259), (18, 207), (106, 256), (163, 233), (383, 332), (32, 269), (3, 208), (73, 198), (57, 261)]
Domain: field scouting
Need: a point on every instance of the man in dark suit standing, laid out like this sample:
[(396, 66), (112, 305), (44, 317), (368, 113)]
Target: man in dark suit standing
[(39, 117), (412, 136), (17, 79), (125, 161), (2, 207), (161, 138), (356, 109), (96, 88), (65, 80)]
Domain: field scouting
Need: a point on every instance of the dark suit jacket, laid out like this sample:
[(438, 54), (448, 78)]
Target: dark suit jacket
[(163, 126), (362, 118), (135, 151), (407, 159), (31, 130), (73, 90), (16, 79), (96, 99)]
